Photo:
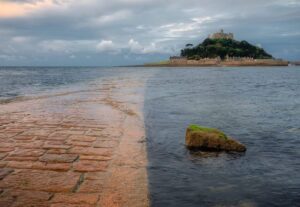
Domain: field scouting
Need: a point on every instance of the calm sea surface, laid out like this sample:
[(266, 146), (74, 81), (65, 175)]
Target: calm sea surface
[(32, 81), (258, 106)]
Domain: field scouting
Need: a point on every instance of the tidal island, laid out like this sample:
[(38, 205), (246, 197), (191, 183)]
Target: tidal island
[(221, 49)]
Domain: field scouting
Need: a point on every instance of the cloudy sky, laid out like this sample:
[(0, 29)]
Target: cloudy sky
[(121, 32)]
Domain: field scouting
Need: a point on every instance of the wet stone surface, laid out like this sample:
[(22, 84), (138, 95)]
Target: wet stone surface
[(57, 151)]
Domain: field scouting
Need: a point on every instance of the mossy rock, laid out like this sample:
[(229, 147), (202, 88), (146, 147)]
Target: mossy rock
[(211, 139)]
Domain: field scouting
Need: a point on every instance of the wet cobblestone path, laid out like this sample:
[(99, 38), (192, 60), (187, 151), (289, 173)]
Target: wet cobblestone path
[(82, 148)]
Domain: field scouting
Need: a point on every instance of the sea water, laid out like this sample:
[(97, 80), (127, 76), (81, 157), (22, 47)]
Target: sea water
[(260, 107), (18, 82)]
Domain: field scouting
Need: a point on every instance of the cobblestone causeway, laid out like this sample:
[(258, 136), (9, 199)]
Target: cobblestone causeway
[(73, 149)]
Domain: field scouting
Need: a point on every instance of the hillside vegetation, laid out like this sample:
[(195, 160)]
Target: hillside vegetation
[(213, 48)]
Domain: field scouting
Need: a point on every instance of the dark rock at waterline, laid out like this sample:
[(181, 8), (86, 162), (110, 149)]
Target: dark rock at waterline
[(198, 137)]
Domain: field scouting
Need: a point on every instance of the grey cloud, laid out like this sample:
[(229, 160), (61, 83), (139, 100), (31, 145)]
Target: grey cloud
[(136, 31), (25, 1)]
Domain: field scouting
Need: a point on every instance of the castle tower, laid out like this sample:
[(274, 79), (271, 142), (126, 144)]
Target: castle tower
[(221, 35)]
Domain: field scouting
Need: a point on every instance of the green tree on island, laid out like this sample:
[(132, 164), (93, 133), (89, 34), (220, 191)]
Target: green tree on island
[(213, 48)]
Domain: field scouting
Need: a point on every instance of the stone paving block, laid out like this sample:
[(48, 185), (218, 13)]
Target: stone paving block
[(57, 146), (24, 137), (105, 144), (77, 127), (51, 166), (7, 145), (28, 198), (56, 142), (31, 204), (95, 133), (92, 124), (58, 136), (6, 149), (66, 126), (8, 134), (38, 165), (71, 205), (27, 153), (83, 138), (3, 155), (111, 132), (38, 132), (91, 151), (91, 186), (73, 132), (58, 158), (95, 157), (2, 139), (90, 166), (4, 172), (20, 164), (76, 198), (38, 180), (80, 144), (49, 138), (13, 130), (3, 164), (23, 141), (21, 158), (96, 175), (57, 151), (30, 145), (6, 201)]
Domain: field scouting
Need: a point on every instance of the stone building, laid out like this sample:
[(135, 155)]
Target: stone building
[(221, 35)]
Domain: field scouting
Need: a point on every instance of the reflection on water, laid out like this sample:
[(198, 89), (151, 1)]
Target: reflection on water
[(258, 106), (196, 155)]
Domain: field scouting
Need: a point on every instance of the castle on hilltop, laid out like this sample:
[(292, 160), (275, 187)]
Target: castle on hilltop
[(221, 35)]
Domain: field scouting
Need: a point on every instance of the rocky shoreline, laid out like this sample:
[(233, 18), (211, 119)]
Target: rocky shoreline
[(213, 63)]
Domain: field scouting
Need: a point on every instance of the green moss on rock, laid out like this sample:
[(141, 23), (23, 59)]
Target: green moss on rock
[(194, 127), (211, 139)]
